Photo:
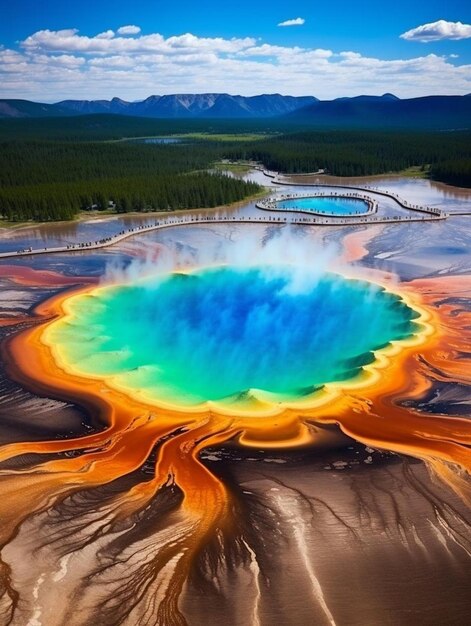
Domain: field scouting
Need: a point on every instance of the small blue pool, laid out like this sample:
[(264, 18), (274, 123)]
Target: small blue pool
[(326, 206)]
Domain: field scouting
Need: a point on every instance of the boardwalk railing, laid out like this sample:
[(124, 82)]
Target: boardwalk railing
[(278, 180), (272, 204), (193, 220)]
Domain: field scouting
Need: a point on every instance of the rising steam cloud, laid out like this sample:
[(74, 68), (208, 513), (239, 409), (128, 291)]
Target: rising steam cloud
[(280, 249)]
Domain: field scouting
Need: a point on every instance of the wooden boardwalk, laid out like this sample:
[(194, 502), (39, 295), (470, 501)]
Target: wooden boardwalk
[(277, 179)]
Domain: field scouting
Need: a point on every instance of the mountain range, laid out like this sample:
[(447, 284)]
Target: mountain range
[(386, 111), (207, 105)]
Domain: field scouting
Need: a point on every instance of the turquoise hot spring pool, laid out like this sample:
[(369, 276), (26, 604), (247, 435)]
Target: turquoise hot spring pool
[(333, 207), (220, 332)]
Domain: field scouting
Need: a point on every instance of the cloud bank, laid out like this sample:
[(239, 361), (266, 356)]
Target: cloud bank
[(298, 21), (52, 65), (437, 31)]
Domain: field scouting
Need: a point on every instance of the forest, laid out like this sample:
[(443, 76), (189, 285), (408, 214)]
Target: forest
[(54, 181), (107, 127), (363, 153), (454, 172), (51, 169)]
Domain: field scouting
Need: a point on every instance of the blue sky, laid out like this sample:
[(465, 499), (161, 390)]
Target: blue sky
[(54, 49)]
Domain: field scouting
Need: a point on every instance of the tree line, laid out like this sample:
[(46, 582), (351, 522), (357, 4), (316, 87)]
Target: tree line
[(360, 153), (455, 172), (54, 181), (105, 127)]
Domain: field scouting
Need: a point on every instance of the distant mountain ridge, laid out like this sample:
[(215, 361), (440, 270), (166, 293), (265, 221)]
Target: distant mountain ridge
[(211, 105), (388, 111), (26, 108), (365, 111)]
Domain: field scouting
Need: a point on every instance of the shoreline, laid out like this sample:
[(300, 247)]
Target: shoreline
[(391, 176), (104, 216)]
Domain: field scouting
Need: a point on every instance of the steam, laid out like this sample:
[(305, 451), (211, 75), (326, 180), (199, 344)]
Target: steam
[(272, 321), (282, 252)]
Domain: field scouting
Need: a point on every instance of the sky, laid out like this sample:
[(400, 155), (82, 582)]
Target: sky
[(51, 50)]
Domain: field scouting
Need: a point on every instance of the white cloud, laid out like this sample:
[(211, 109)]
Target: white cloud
[(129, 30), (54, 65), (298, 21), (436, 31), (66, 60), (70, 41), (108, 34), (285, 53), (350, 55)]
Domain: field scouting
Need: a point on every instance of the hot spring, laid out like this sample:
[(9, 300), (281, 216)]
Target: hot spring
[(326, 205), (220, 334)]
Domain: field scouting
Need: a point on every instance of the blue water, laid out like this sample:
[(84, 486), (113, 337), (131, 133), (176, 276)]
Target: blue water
[(220, 332), (325, 206)]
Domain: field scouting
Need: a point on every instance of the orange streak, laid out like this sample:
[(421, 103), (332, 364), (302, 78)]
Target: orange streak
[(39, 278), (355, 243)]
